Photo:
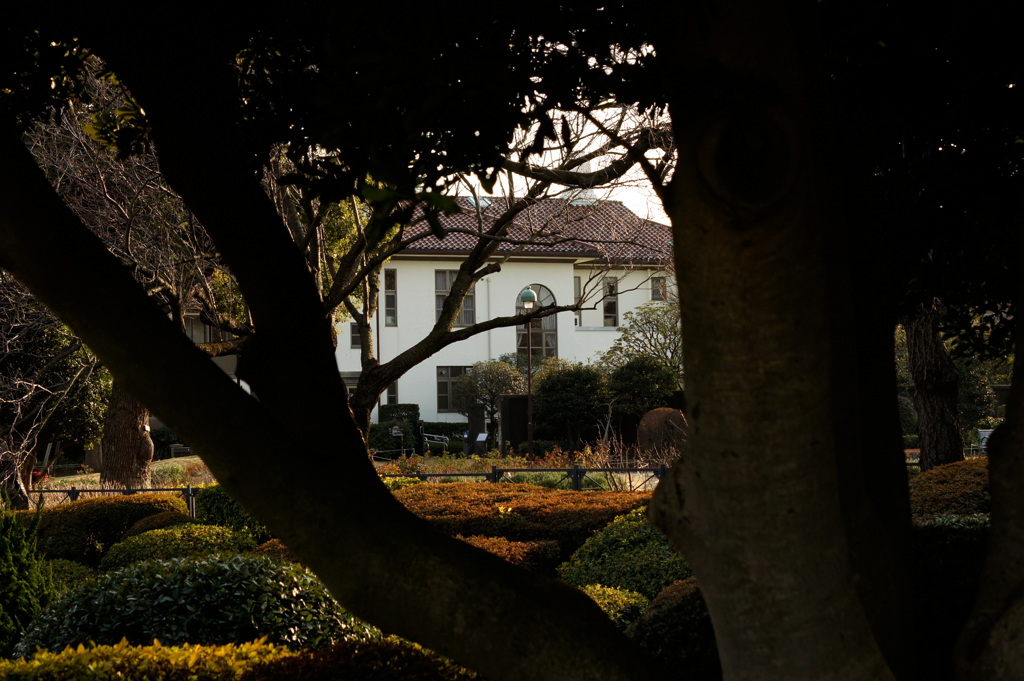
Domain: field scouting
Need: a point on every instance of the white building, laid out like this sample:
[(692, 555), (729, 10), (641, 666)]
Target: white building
[(595, 251)]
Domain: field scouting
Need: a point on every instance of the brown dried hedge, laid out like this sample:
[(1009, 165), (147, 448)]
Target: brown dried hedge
[(537, 556), (518, 512), (959, 488)]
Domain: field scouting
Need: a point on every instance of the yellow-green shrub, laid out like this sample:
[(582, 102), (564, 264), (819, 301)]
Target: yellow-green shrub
[(67, 574), (83, 530), (214, 506), (152, 663), (388, 660), (628, 554), (159, 521), (622, 606), (959, 488), (179, 541)]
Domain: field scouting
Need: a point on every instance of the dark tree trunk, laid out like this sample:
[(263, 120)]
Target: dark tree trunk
[(127, 447), (936, 389), (12, 488)]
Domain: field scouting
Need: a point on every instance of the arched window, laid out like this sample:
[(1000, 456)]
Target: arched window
[(545, 330)]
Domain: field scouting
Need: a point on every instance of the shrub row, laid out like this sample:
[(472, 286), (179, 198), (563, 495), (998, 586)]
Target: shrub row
[(123, 661), (180, 541), (209, 600), (954, 489), (518, 512), (537, 556), (83, 530)]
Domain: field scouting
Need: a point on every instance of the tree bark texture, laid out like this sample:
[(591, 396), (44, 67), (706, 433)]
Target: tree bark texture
[(126, 445), (12, 488), (755, 505), (936, 389)]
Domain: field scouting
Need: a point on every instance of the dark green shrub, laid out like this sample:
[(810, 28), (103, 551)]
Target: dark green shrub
[(381, 439), (83, 530), (518, 512), (453, 431), (623, 607), (180, 541), (162, 439), (214, 506), (948, 556), (210, 600), (538, 556), (677, 630), (549, 480), (959, 488), (159, 521), (628, 554), (388, 660), (67, 574), (153, 662), (26, 583)]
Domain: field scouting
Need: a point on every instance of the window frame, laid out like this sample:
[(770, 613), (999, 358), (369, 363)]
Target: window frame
[(467, 312), (390, 297), (448, 381)]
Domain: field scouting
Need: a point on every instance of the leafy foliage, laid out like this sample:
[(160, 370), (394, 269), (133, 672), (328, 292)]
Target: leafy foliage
[(483, 385), (628, 554), (569, 400), (959, 488), (622, 606), (650, 330), (158, 521), (214, 506), (677, 629), (26, 583), (387, 660), (124, 661), (176, 542), (640, 384), (67, 574), (83, 530), (208, 600)]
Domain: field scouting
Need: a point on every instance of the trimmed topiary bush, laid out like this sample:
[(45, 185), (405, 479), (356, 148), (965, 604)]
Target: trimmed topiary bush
[(959, 488), (211, 600), (26, 584), (538, 556), (159, 521), (214, 506), (122, 661), (275, 548), (67, 574), (623, 607), (83, 530), (677, 630), (180, 541), (628, 554), (400, 482), (518, 512), (388, 660)]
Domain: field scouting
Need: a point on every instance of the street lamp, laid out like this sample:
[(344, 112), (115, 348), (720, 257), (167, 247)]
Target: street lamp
[(528, 298)]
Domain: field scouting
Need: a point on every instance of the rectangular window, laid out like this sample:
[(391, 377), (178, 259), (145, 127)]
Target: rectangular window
[(443, 280), (357, 339), (392, 397), (659, 288), (610, 302), (390, 298), (577, 291), (446, 378)]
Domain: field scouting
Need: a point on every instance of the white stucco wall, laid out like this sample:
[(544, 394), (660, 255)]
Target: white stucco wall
[(496, 295)]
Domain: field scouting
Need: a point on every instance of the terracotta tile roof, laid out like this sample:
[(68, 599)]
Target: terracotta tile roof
[(602, 230)]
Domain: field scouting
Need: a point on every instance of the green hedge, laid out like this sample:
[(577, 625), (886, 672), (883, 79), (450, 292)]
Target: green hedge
[(677, 630), (214, 506), (152, 663), (26, 581), (67, 574), (628, 554), (180, 541), (399, 412), (622, 606), (518, 512), (211, 600), (159, 521), (83, 530)]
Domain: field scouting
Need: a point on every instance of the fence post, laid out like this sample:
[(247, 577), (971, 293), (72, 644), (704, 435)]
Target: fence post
[(494, 476), (73, 494), (660, 473), (190, 500), (577, 478)]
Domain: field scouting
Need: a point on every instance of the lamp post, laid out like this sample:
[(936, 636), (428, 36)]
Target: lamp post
[(528, 298)]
